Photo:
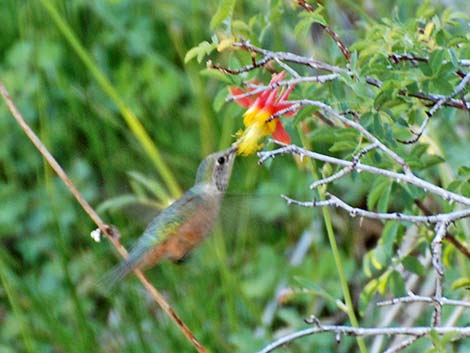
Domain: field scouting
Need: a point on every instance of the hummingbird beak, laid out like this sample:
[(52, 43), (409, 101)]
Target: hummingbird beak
[(234, 147)]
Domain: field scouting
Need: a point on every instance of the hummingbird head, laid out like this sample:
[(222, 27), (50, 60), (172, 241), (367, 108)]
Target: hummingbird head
[(216, 168)]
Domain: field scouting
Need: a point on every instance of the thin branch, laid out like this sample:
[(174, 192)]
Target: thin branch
[(396, 58), (319, 65), (255, 64), (287, 68), (365, 331), (458, 89), (109, 231), (258, 89), (342, 47), (436, 251), (449, 237), (289, 57), (395, 216), (412, 298), (296, 104), (344, 171), (438, 104), (398, 177)]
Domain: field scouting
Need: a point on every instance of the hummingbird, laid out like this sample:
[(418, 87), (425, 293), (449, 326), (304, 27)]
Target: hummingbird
[(184, 224)]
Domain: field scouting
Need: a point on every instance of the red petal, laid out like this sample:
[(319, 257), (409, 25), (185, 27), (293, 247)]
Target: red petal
[(245, 102), (271, 98), (280, 134), (278, 77), (285, 95)]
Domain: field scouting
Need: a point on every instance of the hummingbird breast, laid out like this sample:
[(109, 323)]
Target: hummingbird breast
[(190, 231)]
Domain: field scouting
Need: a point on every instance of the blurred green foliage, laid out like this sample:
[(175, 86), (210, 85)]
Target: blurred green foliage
[(49, 266)]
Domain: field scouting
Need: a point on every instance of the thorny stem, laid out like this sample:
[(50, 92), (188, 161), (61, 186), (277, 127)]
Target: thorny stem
[(105, 229)]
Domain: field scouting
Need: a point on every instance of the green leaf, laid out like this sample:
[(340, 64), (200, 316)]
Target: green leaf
[(463, 282), (219, 100), (367, 294), (204, 48), (151, 185), (224, 11), (118, 202), (436, 59), (464, 171), (383, 282), (384, 199), (377, 189), (315, 288), (396, 284), (412, 264), (389, 235), (307, 18), (343, 146)]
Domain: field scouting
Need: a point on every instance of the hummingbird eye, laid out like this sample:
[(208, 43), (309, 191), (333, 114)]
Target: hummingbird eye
[(221, 160)]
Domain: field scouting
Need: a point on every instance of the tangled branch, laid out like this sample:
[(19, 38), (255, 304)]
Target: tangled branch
[(317, 72)]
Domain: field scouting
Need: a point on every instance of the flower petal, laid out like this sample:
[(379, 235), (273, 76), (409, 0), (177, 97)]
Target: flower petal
[(278, 77), (280, 134), (245, 102), (285, 95)]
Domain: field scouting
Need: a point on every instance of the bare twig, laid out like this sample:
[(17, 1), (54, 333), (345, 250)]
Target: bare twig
[(398, 177), (282, 57), (296, 104), (327, 29), (413, 298), (290, 57), (226, 70), (344, 171), (436, 251), (365, 331), (449, 237), (395, 216), (438, 104), (104, 228), (258, 88)]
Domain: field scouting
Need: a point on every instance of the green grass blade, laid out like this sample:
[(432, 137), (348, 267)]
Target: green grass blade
[(12, 298), (134, 124), (336, 255)]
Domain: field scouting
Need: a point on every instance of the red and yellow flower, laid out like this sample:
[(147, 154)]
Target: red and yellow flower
[(261, 107)]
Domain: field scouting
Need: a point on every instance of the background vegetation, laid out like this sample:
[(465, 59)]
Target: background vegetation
[(81, 71)]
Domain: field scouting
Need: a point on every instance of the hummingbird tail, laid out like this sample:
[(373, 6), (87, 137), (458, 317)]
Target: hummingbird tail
[(115, 275)]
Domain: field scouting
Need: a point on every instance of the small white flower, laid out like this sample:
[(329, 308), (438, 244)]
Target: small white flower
[(96, 235)]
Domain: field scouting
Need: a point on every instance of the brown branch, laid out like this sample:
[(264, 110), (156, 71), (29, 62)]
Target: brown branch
[(255, 64), (327, 29), (109, 231)]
